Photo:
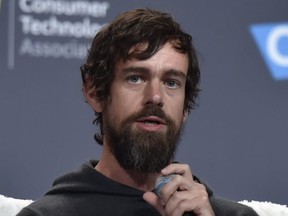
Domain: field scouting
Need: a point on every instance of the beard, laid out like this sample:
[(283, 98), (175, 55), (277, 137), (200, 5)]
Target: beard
[(141, 150)]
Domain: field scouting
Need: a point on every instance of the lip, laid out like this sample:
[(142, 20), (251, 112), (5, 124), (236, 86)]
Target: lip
[(152, 119), (143, 123)]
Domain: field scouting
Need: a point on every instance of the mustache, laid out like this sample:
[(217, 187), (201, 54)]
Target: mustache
[(149, 110)]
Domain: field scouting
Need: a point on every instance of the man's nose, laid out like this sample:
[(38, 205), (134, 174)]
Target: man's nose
[(154, 94)]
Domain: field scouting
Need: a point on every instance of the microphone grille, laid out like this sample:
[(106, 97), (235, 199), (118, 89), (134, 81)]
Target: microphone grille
[(161, 182)]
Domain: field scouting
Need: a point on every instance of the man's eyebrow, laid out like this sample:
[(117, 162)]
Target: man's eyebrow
[(171, 72), (135, 69), (175, 72)]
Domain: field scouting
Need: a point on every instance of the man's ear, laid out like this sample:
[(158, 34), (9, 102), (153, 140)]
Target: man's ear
[(89, 92)]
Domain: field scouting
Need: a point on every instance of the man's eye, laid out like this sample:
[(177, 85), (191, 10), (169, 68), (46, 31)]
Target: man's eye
[(172, 84), (135, 79)]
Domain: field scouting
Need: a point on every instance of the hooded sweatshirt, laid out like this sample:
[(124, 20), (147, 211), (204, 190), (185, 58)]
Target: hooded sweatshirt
[(86, 192)]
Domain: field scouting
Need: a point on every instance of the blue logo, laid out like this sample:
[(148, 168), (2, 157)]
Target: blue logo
[(272, 41)]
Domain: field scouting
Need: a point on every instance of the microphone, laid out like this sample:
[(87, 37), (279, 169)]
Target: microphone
[(161, 182)]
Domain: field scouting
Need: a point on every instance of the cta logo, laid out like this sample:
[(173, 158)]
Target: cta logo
[(272, 41)]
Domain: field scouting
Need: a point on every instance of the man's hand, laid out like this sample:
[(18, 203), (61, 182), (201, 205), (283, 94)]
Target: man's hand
[(182, 194)]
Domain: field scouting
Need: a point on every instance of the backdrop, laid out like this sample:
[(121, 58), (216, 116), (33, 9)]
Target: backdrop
[(236, 140)]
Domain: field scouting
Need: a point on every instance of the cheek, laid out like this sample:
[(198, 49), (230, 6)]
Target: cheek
[(181, 118), (120, 108), (178, 111)]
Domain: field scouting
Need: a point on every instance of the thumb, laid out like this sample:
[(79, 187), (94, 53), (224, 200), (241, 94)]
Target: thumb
[(154, 201)]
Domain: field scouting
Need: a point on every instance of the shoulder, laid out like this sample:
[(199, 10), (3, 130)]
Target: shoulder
[(46, 205)]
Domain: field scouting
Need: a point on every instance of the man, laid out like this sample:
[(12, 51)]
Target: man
[(141, 78)]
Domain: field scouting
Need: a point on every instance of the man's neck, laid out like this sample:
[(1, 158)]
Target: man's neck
[(109, 166)]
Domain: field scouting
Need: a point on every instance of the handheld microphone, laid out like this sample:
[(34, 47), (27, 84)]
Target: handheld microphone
[(161, 182)]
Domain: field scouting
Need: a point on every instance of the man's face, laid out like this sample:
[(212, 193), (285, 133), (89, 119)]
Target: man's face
[(144, 114)]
